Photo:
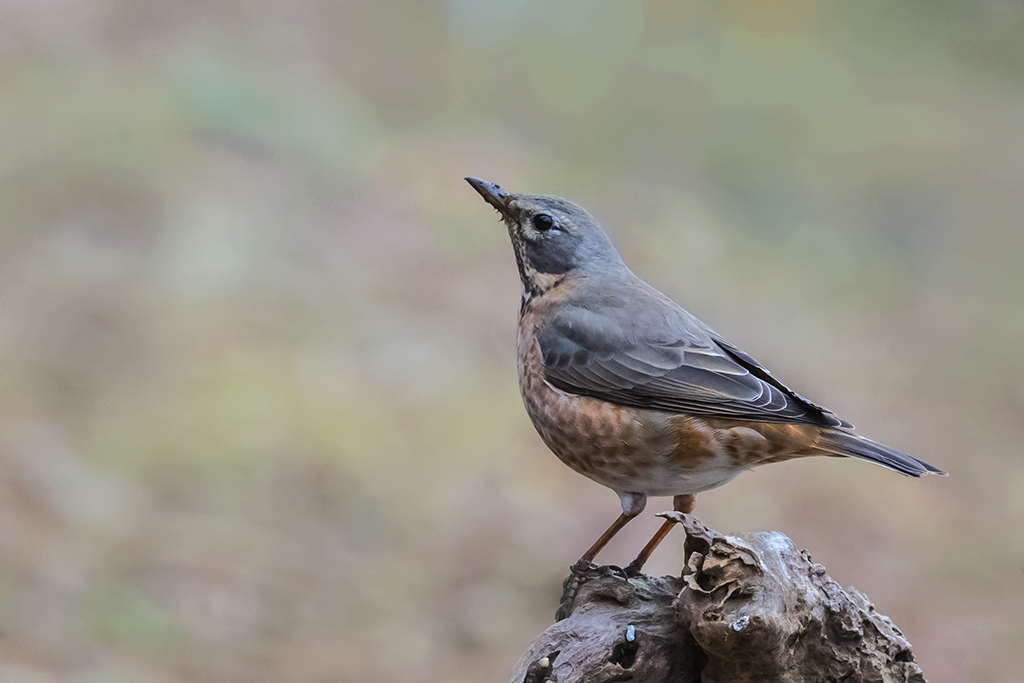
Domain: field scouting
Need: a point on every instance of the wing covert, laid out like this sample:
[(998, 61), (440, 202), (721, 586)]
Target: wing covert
[(657, 355)]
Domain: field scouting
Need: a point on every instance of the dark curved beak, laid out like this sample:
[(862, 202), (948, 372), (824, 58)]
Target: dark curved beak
[(493, 195)]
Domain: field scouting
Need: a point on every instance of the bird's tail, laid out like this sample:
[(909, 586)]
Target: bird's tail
[(836, 442)]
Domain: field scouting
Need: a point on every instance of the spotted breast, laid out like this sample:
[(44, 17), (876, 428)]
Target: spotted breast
[(629, 450)]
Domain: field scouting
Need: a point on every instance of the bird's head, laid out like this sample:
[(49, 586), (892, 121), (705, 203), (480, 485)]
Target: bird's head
[(553, 238)]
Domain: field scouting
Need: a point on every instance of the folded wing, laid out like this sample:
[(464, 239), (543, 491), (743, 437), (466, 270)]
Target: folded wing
[(650, 353)]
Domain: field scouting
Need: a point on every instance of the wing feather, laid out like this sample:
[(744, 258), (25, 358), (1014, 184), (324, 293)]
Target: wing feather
[(653, 354)]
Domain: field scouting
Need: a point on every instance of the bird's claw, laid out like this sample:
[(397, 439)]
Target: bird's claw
[(570, 587), (633, 570), (615, 570), (578, 574), (582, 566)]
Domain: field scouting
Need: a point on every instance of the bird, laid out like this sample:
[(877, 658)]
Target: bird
[(632, 391)]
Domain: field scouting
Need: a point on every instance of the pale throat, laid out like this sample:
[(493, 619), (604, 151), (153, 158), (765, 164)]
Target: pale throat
[(540, 283)]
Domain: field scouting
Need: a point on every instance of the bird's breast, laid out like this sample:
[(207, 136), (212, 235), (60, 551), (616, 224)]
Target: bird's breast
[(639, 450), (626, 449)]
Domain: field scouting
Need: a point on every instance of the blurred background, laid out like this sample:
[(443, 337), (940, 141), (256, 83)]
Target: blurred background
[(259, 418)]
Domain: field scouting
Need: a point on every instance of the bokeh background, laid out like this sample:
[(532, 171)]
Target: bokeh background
[(259, 418)]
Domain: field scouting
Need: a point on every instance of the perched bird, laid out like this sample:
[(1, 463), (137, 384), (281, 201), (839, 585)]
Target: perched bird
[(630, 390)]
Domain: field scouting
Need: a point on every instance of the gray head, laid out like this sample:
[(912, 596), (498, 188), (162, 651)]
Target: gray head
[(552, 237)]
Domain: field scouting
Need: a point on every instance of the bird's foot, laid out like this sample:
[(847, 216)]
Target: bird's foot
[(633, 569), (582, 566), (579, 573), (571, 586)]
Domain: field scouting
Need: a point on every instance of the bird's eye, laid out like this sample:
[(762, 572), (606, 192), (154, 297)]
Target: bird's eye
[(543, 222)]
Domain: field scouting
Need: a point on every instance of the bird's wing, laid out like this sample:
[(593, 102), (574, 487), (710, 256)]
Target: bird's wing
[(647, 352)]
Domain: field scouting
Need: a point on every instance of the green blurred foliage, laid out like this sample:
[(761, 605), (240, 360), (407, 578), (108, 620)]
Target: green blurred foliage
[(258, 409)]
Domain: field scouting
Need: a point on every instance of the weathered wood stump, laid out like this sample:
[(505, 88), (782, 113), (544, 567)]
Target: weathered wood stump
[(745, 609)]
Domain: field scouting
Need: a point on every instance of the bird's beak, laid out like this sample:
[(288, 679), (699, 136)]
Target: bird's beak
[(493, 195)]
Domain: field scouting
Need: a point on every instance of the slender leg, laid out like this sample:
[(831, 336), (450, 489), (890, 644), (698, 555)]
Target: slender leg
[(632, 505), (602, 541), (684, 504)]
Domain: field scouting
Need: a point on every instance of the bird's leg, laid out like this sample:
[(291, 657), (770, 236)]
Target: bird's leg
[(684, 504), (588, 557), (632, 505)]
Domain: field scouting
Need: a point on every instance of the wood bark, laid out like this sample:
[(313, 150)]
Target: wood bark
[(748, 609)]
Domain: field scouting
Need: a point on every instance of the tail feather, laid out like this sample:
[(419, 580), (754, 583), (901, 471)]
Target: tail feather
[(835, 442)]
